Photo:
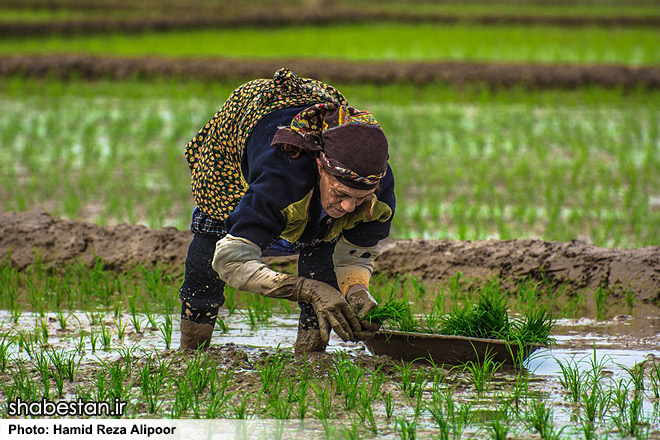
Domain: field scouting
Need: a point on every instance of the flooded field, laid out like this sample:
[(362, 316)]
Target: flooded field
[(600, 380)]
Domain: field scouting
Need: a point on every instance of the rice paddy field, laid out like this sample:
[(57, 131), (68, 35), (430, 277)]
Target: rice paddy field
[(472, 162)]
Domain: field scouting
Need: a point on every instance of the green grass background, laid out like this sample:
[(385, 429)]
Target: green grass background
[(375, 41), (475, 164), (470, 163)]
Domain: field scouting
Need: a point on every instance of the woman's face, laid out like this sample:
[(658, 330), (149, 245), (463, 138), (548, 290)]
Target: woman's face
[(338, 199)]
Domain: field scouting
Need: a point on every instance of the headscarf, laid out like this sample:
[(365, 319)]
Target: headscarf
[(350, 142)]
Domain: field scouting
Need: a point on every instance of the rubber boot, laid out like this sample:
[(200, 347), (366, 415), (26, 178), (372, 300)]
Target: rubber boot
[(195, 335), (308, 342)]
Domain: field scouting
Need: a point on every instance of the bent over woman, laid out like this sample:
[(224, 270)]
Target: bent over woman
[(287, 163)]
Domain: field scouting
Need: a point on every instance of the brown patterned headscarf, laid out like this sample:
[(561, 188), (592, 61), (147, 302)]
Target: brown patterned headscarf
[(350, 142)]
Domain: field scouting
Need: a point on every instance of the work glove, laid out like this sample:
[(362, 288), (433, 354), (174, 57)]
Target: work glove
[(236, 260), (362, 302), (330, 306)]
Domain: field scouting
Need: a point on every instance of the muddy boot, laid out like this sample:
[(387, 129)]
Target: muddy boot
[(308, 342), (195, 335)]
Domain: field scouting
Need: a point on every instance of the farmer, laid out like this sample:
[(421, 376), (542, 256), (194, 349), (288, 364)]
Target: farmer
[(287, 163)]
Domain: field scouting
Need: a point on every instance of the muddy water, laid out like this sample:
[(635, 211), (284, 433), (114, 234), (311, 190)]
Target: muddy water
[(613, 341), (618, 344)]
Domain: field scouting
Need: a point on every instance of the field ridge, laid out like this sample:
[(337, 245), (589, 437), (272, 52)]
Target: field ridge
[(313, 17), (413, 72), (576, 264)]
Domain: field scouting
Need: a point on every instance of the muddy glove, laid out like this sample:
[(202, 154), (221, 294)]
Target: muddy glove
[(362, 302), (237, 262), (331, 309), (353, 267)]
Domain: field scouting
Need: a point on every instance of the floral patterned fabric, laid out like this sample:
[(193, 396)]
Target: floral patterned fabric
[(214, 154)]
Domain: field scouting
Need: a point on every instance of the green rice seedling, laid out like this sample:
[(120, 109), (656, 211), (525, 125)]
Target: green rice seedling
[(215, 407), (16, 312), (601, 295), (389, 408), (629, 298), (61, 318), (574, 305), (407, 428), (42, 363), (482, 372), (222, 325), (323, 409), (279, 407), (528, 294), (352, 433), (456, 286), (59, 384), (117, 307), (200, 372), (43, 326), (230, 299), (595, 400), (413, 380), (151, 317), (121, 327), (534, 328), (106, 337), (180, 405), (302, 404), (417, 404), (65, 363), (241, 410), (394, 313), (637, 374), (27, 342), (347, 378), (117, 376), (250, 317), (36, 298), (95, 318), (376, 383), (520, 391), (588, 429), (572, 379), (450, 417), (540, 419), (135, 317), (487, 319), (628, 409), (366, 414), (101, 392), (24, 386), (221, 384), (499, 428), (152, 381), (259, 310), (654, 378), (166, 329), (271, 370), (418, 288), (5, 344)]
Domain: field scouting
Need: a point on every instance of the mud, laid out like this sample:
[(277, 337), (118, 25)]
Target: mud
[(275, 17), (59, 241), (495, 75), (576, 264)]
